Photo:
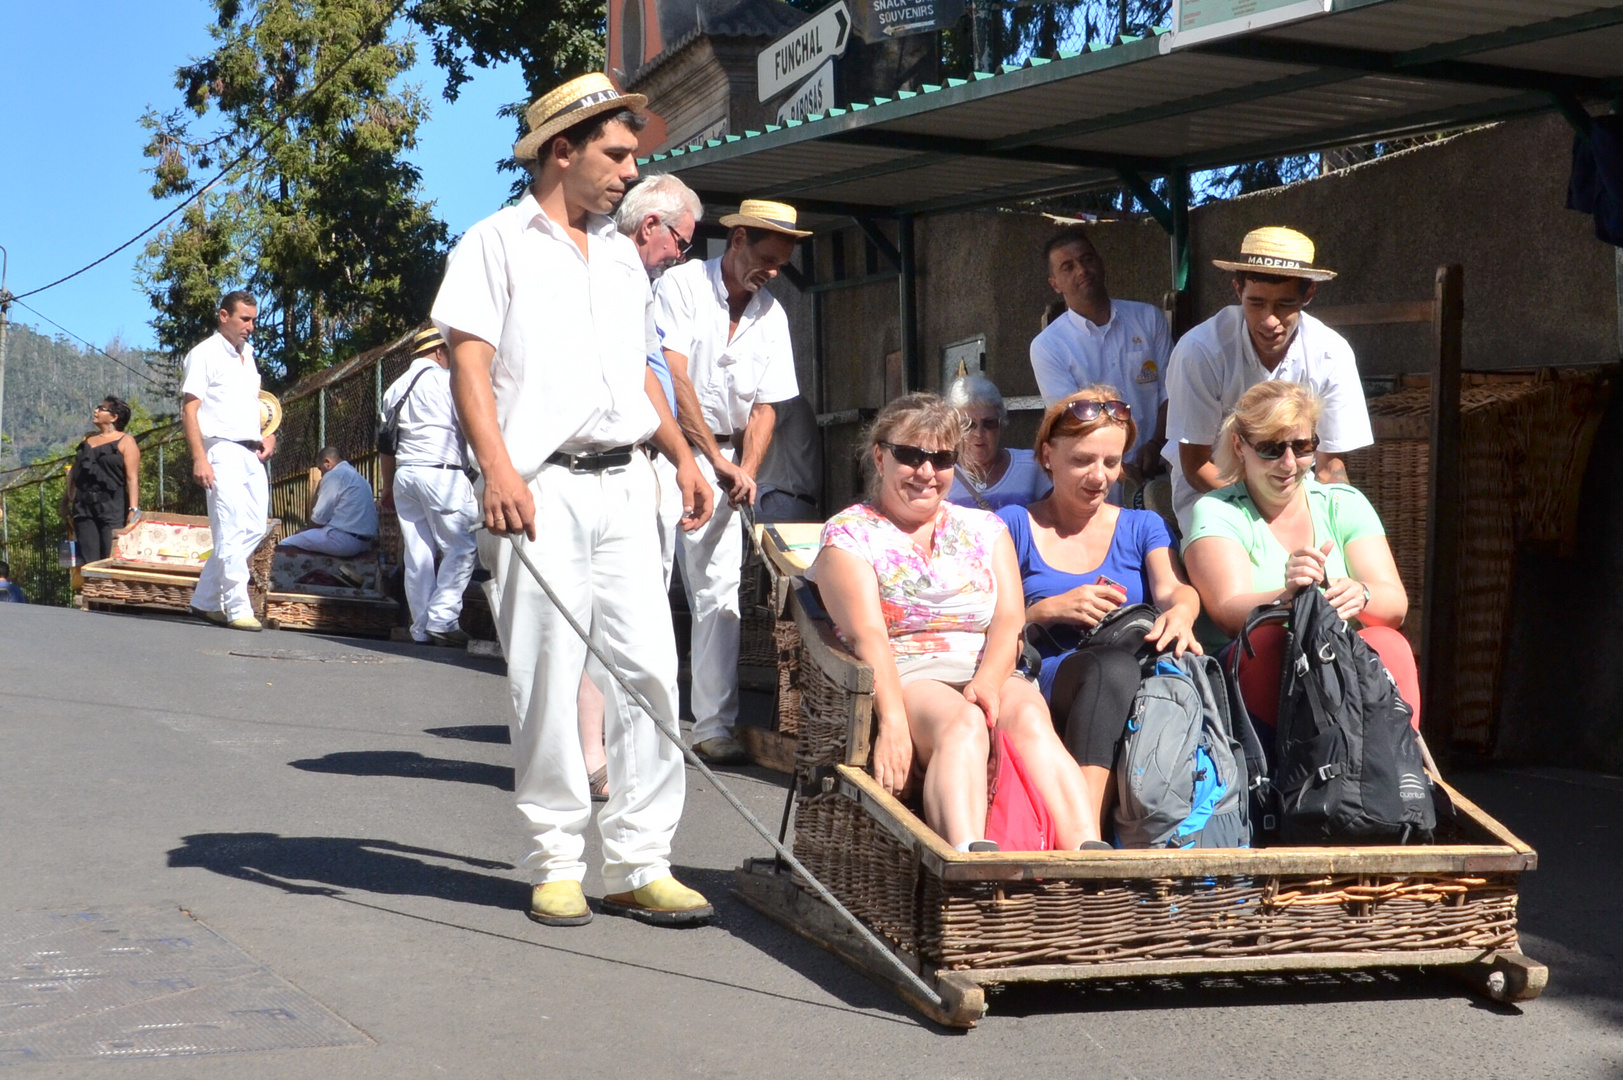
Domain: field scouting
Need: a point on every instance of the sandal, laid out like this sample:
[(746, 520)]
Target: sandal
[(598, 783)]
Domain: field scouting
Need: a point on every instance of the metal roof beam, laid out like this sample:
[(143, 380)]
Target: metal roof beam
[(951, 146), (1357, 62), (1527, 34), (879, 240), (1140, 187), (713, 198)]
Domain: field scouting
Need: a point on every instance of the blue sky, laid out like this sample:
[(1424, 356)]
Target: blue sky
[(75, 78)]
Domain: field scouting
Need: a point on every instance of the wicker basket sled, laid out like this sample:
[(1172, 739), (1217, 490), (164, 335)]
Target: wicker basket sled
[(972, 921), (769, 642), (156, 563)]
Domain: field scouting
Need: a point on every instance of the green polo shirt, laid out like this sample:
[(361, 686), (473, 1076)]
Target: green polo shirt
[(1340, 514)]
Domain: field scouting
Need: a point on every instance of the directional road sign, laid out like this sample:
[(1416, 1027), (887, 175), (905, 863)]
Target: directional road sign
[(814, 97), (800, 52)]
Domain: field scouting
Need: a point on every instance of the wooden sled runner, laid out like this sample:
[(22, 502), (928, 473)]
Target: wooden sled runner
[(969, 921)]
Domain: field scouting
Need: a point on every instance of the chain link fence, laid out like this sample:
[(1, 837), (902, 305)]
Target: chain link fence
[(336, 407)]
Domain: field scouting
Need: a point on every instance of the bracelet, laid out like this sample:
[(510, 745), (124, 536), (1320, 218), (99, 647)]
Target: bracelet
[(1361, 585)]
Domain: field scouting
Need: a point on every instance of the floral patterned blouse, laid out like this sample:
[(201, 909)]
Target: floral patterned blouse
[(940, 604)]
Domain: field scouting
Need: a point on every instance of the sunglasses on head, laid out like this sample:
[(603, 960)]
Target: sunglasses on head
[(914, 456), (1275, 449), (1088, 411)]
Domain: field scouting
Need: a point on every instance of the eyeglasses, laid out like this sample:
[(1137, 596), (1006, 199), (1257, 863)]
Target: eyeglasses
[(914, 456), (682, 246), (991, 423), (1273, 450), (1088, 411)]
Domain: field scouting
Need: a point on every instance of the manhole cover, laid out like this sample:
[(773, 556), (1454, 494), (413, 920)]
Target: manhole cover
[(140, 983), (316, 657)]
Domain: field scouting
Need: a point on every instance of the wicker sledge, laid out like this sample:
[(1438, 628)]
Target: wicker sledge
[(969, 921), (156, 563)]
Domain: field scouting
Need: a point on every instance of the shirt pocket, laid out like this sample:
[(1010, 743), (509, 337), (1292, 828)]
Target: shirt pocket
[(1139, 366)]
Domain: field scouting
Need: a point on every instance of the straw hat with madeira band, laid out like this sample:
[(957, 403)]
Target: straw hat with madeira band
[(1278, 251), (763, 214), (562, 108), (270, 413)]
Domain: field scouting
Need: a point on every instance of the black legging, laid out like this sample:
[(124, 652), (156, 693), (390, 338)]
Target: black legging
[(1090, 702), (94, 535)]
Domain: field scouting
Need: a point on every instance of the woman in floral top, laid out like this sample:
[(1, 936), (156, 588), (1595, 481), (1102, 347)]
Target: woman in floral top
[(929, 594)]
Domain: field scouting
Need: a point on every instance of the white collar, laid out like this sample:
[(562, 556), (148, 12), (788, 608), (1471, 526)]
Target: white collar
[(1088, 326), (530, 213)]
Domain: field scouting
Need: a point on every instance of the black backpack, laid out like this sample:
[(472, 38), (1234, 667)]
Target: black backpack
[(1348, 767)]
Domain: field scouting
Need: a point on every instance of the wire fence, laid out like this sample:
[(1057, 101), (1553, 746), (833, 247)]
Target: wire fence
[(337, 407)]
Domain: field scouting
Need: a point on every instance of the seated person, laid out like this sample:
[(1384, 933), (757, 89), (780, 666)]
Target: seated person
[(1081, 558), (344, 520), (1275, 529), (989, 476), (928, 593)]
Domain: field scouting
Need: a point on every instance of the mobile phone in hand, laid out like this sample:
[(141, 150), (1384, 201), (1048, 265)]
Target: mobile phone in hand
[(1118, 586)]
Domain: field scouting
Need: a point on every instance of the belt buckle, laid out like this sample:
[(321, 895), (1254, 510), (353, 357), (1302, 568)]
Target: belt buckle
[(577, 463)]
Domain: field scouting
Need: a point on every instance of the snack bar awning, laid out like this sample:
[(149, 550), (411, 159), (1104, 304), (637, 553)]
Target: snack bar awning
[(1362, 71)]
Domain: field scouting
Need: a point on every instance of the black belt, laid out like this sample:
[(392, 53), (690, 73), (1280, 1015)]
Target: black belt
[(426, 465), (346, 532), (726, 440), (253, 444), (593, 462)]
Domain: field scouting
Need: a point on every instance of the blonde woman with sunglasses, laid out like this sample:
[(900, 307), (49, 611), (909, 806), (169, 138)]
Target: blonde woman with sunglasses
[(928, 593), (1275, 529)]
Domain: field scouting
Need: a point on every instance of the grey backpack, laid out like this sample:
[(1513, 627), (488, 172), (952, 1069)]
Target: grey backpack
[(1181, 777)]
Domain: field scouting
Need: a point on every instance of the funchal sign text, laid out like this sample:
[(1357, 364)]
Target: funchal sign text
[(803, 50)]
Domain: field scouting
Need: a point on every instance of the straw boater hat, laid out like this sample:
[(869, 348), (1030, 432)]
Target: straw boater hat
[(270, 413), (426, 342), (761, 214), (1277, 250), (564, 107)]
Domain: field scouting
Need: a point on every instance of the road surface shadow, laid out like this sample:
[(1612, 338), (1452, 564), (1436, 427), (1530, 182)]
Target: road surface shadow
[(333, 865), (409, 764), (485, 733)]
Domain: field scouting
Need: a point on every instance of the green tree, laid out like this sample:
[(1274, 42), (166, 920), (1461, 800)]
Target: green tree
[(552, 41), (322, 220)]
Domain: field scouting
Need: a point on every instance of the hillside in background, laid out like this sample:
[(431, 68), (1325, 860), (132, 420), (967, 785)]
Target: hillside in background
[(52, 384)]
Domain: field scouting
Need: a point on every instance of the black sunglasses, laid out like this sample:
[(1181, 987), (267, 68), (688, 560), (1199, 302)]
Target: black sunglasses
[(991, 423), (1274, 450), (914, 456), (682, 246), (1088, 411)]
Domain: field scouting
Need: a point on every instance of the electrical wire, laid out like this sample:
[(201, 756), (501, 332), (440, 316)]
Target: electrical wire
[(238, 160), (145, 375)]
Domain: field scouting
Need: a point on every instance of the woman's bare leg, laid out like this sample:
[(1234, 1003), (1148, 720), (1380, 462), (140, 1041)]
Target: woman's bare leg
[(1100, 790), (950, 746), (1023, 717), (589, 707)]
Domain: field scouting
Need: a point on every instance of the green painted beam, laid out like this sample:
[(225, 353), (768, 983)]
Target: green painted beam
[(1528, 34), (1140, 187), (951, 146), (879, 240)]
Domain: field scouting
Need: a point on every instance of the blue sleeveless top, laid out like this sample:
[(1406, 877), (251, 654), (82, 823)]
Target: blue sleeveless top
[(1138, 532)]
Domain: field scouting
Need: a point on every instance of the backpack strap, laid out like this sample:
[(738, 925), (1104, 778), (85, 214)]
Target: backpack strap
[(392, 424)]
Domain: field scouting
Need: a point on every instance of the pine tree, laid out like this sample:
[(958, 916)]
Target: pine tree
[(322, 221)]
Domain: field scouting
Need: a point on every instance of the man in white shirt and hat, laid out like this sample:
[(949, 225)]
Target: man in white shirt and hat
[(1266, 335), (544, 308), (424, 481), (344, 519), (726, 339), (1099, 339), (219, 413)]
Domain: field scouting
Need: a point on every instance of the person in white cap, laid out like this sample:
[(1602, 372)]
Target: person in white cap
[(424, 481), (544, 308), (727, 341), (219, 412), (1266, 335)]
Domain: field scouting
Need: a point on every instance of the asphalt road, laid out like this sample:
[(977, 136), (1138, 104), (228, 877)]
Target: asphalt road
[(343, 819)]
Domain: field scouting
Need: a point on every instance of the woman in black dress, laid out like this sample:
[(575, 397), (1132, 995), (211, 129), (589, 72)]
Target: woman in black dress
[(104, 487)]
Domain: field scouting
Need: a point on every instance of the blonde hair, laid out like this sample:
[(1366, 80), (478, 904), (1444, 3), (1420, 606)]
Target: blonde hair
[(906, 419), (1269, 410), (1058, 423)]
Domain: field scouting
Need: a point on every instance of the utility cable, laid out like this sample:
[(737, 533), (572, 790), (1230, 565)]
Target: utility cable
[(906, 974), (145, 375), (238, 160)]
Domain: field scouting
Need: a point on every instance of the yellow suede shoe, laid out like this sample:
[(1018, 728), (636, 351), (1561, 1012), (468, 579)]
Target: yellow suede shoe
[(559, 903), (246, 622), (662, 902)]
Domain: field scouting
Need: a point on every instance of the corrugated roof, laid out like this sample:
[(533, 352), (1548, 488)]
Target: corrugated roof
[(1367, 70)]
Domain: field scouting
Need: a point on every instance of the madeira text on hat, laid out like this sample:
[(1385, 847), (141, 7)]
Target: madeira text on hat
[(763, 214), (565, 106), (1276, 250)]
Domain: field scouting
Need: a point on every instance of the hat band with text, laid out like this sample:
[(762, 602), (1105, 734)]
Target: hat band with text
[(584, 103), (1274, 260)]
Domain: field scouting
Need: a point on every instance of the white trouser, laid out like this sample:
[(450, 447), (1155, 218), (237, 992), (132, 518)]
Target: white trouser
[(670, 512), (324, 540), (437, 513), (597, 546), (238, 504), (711, 561)]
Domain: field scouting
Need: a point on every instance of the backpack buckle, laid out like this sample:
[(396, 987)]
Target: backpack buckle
[(1328, 772)]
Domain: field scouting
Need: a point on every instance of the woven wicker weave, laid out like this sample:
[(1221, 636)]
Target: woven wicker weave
[(333, 615)]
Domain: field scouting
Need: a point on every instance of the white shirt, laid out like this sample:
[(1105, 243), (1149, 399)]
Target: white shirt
[(226, 385), (344, 502), (428, 433), (1215, 363), (757, 367), (1129, 353), (568, 332), (1022, 483)]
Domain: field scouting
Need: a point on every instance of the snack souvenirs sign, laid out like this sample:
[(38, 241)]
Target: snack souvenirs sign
[(880, 19)]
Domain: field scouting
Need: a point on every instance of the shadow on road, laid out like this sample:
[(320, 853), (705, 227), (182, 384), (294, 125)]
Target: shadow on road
[(486, 733), (409, 764), (329, 865)]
